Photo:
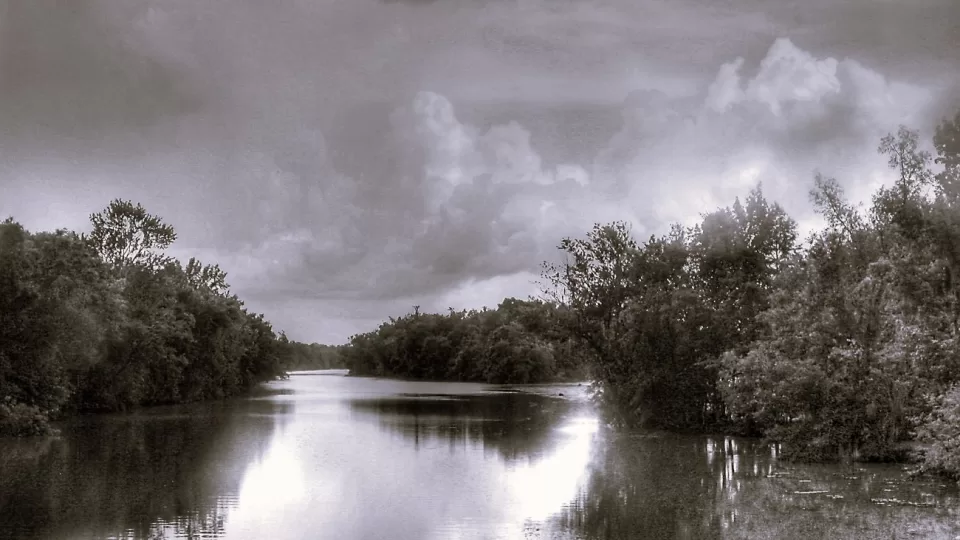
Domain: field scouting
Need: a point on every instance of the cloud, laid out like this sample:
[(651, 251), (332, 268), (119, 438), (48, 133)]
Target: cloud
[(344, 161), (795, 114), (476, 206), (466, 215), (74, 73), (787, 74)]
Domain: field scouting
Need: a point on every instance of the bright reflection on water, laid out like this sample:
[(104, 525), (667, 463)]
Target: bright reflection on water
[(544, 487), (329, 457), (373, 458)]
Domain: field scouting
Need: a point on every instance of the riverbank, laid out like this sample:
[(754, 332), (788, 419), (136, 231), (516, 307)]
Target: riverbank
[(908, 453)]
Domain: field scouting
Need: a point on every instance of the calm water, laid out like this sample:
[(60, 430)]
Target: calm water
[(330, 457)]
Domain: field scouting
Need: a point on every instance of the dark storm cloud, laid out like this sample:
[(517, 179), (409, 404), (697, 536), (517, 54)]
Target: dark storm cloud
[(471, 204), (72, 71), (344, 161), (455, 207), (907, 38)]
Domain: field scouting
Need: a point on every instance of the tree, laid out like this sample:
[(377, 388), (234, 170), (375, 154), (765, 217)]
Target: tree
[(30, 380), (947, 143), (858, 330), (209, 277), (109, 322), (516, 343), (125, 235), (829, 201)]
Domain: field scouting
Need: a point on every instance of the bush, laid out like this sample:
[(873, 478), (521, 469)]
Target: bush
[(21, 420), (940, 435)]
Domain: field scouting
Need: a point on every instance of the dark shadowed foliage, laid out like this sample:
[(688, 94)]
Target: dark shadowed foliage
[(108, 322), (845, 347), (516, 425), (519, 342), (170, 468)]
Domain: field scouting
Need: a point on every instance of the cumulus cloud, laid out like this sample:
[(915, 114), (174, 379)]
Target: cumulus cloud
[(340, 178), (795, 114), (466, 215), (786, 75), (475, 206)]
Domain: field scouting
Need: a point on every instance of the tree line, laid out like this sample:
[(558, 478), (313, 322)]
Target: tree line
[(521, 341), (844, 346), (107, 322), (311, 356)]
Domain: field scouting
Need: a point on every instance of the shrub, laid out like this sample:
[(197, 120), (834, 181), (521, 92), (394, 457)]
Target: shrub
[(21, 420)]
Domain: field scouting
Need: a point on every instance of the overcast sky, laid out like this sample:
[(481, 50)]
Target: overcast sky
[(344, 160)]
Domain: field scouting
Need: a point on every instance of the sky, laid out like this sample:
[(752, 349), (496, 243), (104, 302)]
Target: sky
[(346, 160)]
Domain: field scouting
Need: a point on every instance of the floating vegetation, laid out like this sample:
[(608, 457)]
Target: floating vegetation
[(901, 502)]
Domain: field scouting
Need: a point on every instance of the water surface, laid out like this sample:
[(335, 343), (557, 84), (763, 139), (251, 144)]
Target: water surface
[(322, 456)]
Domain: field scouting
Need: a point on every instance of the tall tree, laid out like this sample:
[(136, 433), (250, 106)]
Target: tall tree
[(125, 235), (209, 277), (947, 143)]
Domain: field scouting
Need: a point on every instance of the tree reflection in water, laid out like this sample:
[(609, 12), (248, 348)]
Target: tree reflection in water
[(540, 447), (672, 486), (570, 480), (468, 463), (517, 426), (166, 472)]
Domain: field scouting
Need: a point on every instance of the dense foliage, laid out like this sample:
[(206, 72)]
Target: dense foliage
[(108, 322), (845, 346), (304, 356), (522, 341), (656, 315)]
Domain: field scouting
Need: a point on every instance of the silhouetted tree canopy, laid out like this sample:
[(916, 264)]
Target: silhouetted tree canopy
[(108, 322), (522, 341), (847, 346)]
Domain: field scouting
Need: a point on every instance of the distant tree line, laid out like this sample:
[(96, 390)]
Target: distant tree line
[(522, 341), (106, 322), (304, 356), (845, 346)]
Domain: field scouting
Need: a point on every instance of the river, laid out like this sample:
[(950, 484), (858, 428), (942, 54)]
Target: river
[(323, 456)]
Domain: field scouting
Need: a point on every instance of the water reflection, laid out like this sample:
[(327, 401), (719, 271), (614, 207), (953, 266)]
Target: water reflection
[(543, 488), (166, 472), (515, 425), (534, 446), (347, 458), (670, 486)]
